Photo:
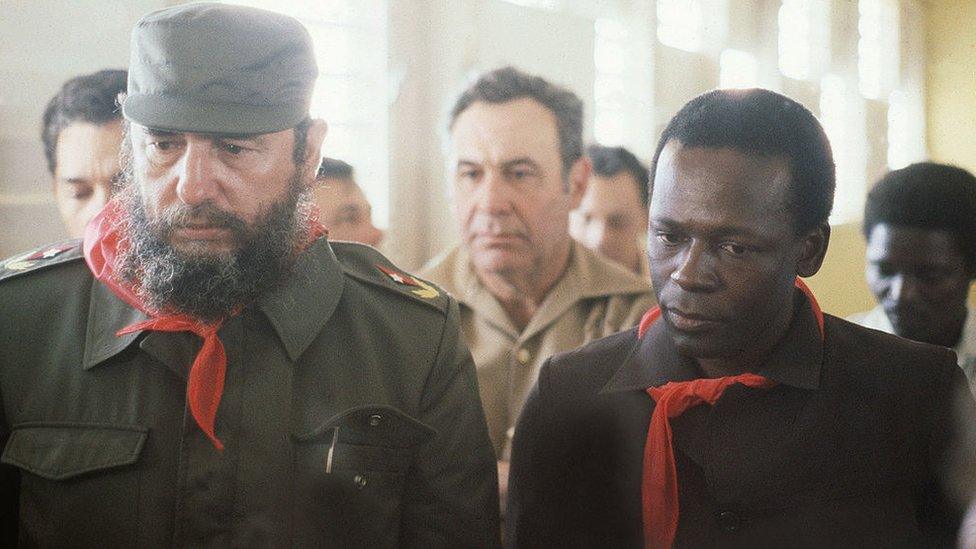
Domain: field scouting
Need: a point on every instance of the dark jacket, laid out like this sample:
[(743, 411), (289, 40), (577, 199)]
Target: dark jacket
[(844, 452), (350, 417)]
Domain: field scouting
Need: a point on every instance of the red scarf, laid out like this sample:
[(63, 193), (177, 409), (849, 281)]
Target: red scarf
[(205, 385), (659, 482)]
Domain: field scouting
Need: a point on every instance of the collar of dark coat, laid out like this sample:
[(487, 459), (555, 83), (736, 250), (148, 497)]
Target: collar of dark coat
[(297, 310), (796, 360)]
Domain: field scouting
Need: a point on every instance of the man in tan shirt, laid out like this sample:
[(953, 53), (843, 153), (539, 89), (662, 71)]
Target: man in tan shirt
[(526, 289)]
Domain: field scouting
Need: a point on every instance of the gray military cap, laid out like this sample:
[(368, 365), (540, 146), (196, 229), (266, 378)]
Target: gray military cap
[(218, 68)]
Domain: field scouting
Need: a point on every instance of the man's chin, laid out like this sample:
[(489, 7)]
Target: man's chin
[(203, 248)]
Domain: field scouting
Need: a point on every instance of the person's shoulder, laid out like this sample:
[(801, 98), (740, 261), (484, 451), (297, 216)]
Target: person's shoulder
[(603, 277), (591, 366), (43, 259), (886, 356), (368, 266)]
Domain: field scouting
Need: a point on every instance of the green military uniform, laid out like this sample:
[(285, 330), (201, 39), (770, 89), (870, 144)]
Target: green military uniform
[(594, 297), (350, 415)]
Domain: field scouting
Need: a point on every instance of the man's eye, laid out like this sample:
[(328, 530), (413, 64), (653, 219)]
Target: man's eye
[(669, 239), (162, 146), (733, 248), (81, 193), (468, 174), (232, 148)]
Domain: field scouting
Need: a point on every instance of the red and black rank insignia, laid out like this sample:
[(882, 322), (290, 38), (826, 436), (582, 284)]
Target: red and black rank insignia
[(27, 261), (423, 289)]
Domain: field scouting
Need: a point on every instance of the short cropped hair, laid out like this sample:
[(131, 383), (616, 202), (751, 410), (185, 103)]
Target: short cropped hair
[(930, 196), (332, 168), (763, 123), (508, 84), (609, 161), (88, 98)]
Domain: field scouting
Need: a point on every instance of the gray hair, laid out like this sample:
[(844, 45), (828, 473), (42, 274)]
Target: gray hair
[(508, 84)]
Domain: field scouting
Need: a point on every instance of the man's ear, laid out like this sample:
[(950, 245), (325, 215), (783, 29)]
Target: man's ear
[(317, 129), (579, 178), (813, 250)]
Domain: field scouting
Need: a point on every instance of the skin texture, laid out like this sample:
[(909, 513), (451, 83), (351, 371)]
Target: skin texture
[(612, 220), (87, 167), (241, 175), (345, 212), (724, 254), (512, 200), (921, 279)]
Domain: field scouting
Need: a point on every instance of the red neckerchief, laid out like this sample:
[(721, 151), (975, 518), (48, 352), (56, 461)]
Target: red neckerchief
[(205, 384), (659, 480)]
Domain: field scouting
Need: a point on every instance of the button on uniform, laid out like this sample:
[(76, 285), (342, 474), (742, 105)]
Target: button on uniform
[(360, 481), (728, 521), (523, 356), (375, 420)]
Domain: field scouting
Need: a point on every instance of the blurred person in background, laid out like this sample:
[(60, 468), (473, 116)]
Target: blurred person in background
[(526, 289), (612, 217), (343, 207), (82, 134), (920, 226)]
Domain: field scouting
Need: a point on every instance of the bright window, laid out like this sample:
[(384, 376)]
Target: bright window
[(906, 130), (738, 69), (610, 85), (843, 121), (804, 38), (877, 47), (679, 24), (350, 39)]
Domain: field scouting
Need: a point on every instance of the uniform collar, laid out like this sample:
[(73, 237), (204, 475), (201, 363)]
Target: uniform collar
[(795, 361), (297, 311), (587, 276)]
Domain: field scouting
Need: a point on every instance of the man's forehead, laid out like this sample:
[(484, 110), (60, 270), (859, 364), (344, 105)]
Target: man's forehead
[(520, 127)]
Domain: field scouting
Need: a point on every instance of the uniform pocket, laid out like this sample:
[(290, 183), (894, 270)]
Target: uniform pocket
[(352, 469), (75, 479), (60, 451)]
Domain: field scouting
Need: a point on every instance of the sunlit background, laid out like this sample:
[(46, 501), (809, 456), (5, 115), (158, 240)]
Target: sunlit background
[(389, 70)]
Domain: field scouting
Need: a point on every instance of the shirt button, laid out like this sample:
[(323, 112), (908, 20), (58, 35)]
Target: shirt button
[(374, 420), (360, 481), (728, 521), (523, 356)]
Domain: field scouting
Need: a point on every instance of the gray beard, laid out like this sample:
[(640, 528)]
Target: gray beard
[(210, 286)]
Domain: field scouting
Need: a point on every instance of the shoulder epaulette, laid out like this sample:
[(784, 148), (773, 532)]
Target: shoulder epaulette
[(41, 258), (369, 265)]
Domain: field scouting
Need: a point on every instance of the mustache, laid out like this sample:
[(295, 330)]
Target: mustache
[(205, 214), (495, 226)]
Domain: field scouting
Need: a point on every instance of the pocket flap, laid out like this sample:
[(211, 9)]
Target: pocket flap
[(372, 426), (59, 451)]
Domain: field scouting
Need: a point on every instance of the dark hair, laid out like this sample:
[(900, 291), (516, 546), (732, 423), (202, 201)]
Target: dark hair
[(88, 98), (508, 84), (331, 168), (609, 161), (763, 123), (928, 196)]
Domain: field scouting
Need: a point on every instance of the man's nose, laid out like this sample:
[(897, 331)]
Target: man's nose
[(197, 182), (903, 288), (494, 195), (696, 269)]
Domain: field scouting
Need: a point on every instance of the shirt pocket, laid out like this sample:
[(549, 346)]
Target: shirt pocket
[(75, 479), (351, 474)]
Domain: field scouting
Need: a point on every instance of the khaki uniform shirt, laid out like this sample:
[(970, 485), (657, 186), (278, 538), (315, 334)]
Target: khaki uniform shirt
[(350, 416), (594, 298)]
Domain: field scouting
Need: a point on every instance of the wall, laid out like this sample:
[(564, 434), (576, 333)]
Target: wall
[(951, 81)]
